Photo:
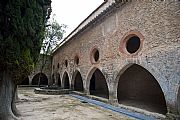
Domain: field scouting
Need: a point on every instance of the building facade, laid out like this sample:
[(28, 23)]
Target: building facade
[(127, 52)]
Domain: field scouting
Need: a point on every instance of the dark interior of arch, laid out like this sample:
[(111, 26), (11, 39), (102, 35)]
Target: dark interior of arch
[(98, 85), (178, 101), (138, 88), (25, 81), (43, 79), (133, 44), (66, 81), (78, 83), (59, 80)]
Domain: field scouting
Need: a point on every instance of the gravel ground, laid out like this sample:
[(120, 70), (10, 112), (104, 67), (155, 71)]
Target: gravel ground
[(59, 107)]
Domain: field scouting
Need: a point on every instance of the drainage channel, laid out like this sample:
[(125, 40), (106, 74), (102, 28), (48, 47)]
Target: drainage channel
[(133, 115)]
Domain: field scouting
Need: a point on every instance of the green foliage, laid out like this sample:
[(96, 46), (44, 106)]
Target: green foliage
[(21, 34), (53, 35)]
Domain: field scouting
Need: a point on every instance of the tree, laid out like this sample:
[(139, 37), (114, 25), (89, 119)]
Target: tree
[(21, 34), (53, 35)]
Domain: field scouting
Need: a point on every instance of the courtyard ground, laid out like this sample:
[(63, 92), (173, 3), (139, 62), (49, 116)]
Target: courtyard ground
[(60, 107)]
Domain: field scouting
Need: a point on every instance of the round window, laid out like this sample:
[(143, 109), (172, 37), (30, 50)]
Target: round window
[(95, 55), (133, 44), (76, 60)]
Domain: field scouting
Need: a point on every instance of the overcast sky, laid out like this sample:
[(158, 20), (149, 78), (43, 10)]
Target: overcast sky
[(73, 12)]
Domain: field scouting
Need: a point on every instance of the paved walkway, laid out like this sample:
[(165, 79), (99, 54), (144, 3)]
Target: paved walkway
[(60, 107)]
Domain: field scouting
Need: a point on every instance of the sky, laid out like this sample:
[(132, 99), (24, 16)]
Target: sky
[(73, 12)]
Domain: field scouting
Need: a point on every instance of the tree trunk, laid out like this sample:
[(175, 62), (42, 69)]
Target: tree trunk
[(16, 93), (13, 104), (7, 92)]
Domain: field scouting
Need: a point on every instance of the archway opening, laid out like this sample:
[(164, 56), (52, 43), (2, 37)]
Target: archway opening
[(66, 81), (138, 88), (42, 77), (78, 83), (133, 44), (25, 81), (98, 85)]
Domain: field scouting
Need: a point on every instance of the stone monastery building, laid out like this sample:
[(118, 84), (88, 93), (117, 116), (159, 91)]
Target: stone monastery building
[(126, 52)]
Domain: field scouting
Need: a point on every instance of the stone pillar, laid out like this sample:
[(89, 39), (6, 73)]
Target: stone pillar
[(30, 79), (86, 87), (173, 102), (49, 79), (112, 94)]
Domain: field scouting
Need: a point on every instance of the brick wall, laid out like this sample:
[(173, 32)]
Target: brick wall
[(156, 23)]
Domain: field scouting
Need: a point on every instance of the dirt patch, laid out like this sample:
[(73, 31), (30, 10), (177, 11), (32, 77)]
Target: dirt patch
[(60, 107)]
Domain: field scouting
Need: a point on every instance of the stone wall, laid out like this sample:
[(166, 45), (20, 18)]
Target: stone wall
[(155, 23), (46, 69)]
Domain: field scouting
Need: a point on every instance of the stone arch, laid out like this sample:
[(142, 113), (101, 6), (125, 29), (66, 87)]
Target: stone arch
[(137, 87), (66, 81), (25, 81), (96, 83), (77, 81), (89, 75), (158, 76), (43, 79)]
